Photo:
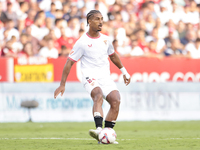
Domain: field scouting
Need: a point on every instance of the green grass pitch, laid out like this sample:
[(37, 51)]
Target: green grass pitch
[(152, 135)]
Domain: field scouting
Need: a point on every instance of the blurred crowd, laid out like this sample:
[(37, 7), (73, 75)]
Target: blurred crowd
[(138, 28)]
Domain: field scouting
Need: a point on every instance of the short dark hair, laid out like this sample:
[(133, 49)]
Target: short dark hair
[(53, 4), (21, 3), (63, 47), (198, 40), (57, 20), (91, 13)]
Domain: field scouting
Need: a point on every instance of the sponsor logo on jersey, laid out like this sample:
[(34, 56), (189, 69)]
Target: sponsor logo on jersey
[(90, 45), (105, 41)]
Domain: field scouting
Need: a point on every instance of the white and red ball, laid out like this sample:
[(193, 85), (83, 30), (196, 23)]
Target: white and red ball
[(107, 136)]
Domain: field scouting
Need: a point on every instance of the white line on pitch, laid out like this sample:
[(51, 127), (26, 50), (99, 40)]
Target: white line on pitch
[(53, 138), (181, 139), (46, 139)]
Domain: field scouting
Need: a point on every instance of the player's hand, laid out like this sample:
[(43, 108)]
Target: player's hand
[(60, 89), (127, 79)]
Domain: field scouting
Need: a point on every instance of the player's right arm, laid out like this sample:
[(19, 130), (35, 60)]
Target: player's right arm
[(75, 54), (66, 70)]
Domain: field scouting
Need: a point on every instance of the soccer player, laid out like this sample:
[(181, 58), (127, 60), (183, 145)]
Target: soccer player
[(93, 49)]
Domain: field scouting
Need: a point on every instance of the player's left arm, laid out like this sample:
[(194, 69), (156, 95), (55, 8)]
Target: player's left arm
[(115, 59)]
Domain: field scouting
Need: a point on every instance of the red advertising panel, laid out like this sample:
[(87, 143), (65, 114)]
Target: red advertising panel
[(143, 69), (58, 69), (6, 70), (160, 70), (37, 69)]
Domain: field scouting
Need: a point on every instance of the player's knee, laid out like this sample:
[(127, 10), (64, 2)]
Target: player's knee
[(115, 104), (98, 98)]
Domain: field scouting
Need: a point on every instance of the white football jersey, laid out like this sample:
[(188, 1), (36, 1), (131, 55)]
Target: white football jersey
[(93, 54)]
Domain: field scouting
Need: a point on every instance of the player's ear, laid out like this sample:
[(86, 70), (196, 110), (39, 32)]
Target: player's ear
[(89, 21)]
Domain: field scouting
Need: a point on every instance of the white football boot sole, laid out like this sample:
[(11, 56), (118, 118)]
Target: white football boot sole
[(94, 133)]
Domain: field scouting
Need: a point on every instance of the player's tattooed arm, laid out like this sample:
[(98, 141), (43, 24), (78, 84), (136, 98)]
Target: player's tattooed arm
[(65, 74)]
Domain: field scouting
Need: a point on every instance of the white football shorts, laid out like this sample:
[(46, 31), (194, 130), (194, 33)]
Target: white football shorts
[(107, 85)]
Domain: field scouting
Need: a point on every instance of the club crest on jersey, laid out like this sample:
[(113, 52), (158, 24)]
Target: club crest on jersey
[(105, 41), (90, 45)]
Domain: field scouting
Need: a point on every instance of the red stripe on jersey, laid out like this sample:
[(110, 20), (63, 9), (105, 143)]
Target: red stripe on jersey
[(111, 54), (93, 37), (72, 59)]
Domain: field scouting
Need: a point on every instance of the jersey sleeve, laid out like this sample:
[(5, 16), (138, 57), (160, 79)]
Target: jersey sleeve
[(110, 48), (77, 52)]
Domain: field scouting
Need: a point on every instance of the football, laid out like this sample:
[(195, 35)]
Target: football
[(107, 136)]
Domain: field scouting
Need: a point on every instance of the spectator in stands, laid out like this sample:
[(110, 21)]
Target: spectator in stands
[(64, 51), (10, 14), (34, 41), (190, 37), (81, 31), (52, 12), (65, 40), (150, 23), (59, 14), (175, 49), (160, 43), (23, 39), (130, 26), (8, 51), (164, 14), (48, 26), (21, 13), (141, 26), (194, 49), (66, 8), (30, 19), (181, 28), (3, 16), (50, 35), (116, 8), (49, 51), (135, 50), (126, 11), (152, 48), (118, 22), (21, 26), (41, 15), (161, 29), (36, 30), (9, 25), (58, 25), (16, 45), (73, 28), (171, 27), (169, 38), (12, 48), (153, 8), (140, 34), (27, 50), (176, 13), (74, 13), (4, 40), (198, 33), (115, 45)]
